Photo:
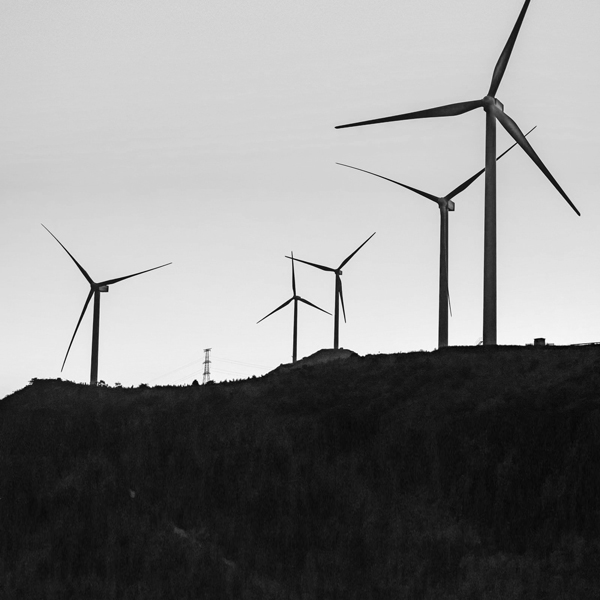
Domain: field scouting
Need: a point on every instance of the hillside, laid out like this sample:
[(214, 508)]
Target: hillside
[(463, 473)]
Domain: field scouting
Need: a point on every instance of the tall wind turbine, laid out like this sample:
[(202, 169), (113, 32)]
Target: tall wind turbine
[(494, 110), (95, 290), (339, 296), (446, 204), (296, 299)]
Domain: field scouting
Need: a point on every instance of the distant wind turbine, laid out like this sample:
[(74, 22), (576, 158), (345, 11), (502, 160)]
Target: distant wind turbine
[(339, 296), (445, 204), (494, 110), (95, 290), (295, 298)]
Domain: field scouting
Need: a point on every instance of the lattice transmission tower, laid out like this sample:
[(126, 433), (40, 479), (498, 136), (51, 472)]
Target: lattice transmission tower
[(206, 375)]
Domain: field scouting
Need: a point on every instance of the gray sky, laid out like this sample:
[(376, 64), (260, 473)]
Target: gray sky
[(203, 133)]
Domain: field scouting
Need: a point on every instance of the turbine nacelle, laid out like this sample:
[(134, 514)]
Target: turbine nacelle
[(489, 103), (446, 204), (103, 288)]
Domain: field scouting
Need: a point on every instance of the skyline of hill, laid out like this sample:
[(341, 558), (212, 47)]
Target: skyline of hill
[(462, 473)]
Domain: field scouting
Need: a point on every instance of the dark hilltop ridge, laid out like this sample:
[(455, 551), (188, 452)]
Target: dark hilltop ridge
[(467, 473), (318, 358)]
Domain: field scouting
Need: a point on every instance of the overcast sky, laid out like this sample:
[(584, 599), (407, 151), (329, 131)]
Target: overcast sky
[(202, 132)]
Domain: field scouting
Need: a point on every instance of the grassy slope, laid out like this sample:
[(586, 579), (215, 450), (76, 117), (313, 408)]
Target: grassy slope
[(467, 473)]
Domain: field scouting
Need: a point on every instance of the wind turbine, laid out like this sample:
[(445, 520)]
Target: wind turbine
[(296, 299), (339, 296), (446, 204), (494, 110), (95, 290)]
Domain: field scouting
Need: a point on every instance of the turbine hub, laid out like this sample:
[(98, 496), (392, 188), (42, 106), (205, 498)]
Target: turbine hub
[(488, 102), (444, 203)]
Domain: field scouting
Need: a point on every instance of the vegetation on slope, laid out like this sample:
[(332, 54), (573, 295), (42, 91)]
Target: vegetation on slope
[(465, 473)]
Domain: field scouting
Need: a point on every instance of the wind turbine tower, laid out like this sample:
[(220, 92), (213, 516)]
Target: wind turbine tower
[(96, 288), (339, 296), (295, 299), (446, 205), (494, 111)]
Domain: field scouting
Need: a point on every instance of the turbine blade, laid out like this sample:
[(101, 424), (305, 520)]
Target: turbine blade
[(517, 134), (313, 305), (341, 296), (447, 286), (504, 57), (274, 311), (463, 186), (408, 187), (511, 147), (293, 275), (448, 110), (349, 257), (311, 264), (111, 281), (83, 271), (77, 326)]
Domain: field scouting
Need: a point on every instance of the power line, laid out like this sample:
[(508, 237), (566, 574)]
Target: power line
[(219, 371), (196, 371), (175, 370), (239, 362)]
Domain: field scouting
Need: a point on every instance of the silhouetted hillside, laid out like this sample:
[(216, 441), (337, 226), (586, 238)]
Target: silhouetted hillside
[(464, 473)]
